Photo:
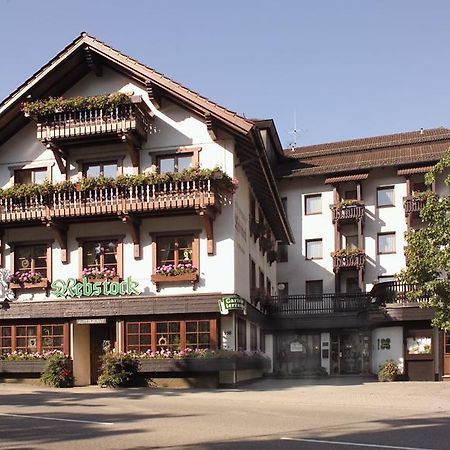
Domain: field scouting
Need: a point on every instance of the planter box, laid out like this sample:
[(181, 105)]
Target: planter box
[(191, 277), (33, 366), (43, 284), (100, 280), (201, 364)]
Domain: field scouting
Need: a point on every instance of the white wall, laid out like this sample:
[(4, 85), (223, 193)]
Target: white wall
[(379, 355)]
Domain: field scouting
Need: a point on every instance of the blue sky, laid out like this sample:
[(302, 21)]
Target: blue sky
[(344, 68)]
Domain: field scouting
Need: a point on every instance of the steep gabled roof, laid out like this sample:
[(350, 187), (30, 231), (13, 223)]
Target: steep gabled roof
[(72, 63), (400, 149)]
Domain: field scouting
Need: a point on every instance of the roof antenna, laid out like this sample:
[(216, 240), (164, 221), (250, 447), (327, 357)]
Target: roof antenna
[(293, 144)]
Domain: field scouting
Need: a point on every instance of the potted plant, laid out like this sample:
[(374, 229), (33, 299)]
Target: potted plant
[(95, 274), (388, 371), (27, 280), (168, 273)]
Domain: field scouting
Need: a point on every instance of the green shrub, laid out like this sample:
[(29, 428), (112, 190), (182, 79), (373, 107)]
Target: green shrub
[(388, 371), (57, 372), (118, 370)]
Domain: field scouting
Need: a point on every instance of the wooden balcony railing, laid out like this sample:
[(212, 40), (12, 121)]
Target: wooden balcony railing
[(91, 122), (347, 212), (355, 261), (311, 305), (413, 205), (393, 292), (113, 201)]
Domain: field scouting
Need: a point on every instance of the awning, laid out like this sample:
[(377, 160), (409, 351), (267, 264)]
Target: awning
[(413, 170), (345, 178)]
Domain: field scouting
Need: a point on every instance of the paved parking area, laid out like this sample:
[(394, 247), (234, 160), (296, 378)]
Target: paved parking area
[(337, 413)]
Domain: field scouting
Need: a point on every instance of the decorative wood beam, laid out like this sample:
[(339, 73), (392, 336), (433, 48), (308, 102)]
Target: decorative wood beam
[(208, 217), (60, 156), (154, 94), (60, 232), (210, 125), (134, 225), (133, 147), (92, 62)]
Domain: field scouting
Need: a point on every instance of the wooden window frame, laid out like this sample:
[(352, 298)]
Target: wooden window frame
[(307, 241), (14, 169), (308, 196), (13, 246), (378, 242), (182, 332), (195, 246), (82, 164), (2, 338), (83, 240), (386, 188), (183, 151)]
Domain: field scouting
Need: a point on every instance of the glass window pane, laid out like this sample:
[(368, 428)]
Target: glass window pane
[(314, 287), (166, 165), (21, 331), (145, 339), (386, 243), (385, 196), (174, 327), (351, 241), (203, 325), (191, 327), (145, 328), (22, 177), (40, 175), (93, 170), (110, 170), (133, 328), (133, 339), (166, 251), (184, 162), (314, 249), (161, 327), (313, 204)]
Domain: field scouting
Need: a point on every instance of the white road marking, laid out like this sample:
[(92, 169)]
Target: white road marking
[(55, 419), (317, 441)]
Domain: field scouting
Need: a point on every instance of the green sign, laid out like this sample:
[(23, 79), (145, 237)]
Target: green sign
[(226, 304), (85, 288)]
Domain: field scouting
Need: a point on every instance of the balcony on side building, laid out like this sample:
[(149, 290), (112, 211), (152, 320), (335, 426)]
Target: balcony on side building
[(131, 116), (393, 293), (347, 211), (168, 197), (344, 259), (319, 304)]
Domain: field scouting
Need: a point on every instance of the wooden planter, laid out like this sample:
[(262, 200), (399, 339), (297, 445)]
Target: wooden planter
[(201, 364), (43, 284), (101, 280), (190, 277), (31, 366)]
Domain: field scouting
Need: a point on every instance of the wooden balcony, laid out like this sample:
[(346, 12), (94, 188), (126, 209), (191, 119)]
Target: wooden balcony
[(71, 126), (345, 213), (413, 205), (139, 200), (349, 261), (321, 304)]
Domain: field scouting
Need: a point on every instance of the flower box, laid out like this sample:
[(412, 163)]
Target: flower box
[(43, 284), (101, 280), (201, 364), (25, 366), (188, 276)]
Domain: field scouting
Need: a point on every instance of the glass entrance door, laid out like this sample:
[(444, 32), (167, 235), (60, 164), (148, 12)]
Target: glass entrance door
[(349, 353)]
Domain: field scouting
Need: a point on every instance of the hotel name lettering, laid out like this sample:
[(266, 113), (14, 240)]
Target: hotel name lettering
[(85, 288)]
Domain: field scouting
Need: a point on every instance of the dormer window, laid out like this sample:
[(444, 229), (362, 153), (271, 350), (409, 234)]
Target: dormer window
[(30, 176)]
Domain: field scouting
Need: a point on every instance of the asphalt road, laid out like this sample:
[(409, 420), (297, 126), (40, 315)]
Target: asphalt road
[(340, 413)]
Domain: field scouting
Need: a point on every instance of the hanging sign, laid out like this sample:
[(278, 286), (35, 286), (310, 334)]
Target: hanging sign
[(85, 288), (226, 304)]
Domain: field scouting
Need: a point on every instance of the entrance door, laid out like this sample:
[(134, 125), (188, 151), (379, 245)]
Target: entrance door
[(348, 353), (101, 338), (447, 354)]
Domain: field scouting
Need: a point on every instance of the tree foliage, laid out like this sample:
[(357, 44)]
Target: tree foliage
[(428, 251)]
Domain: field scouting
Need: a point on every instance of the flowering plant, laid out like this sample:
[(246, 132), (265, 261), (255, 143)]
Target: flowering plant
[(25, 277), (58, 372), (93, 272), (388, 371), (24, 356), (175, 269)]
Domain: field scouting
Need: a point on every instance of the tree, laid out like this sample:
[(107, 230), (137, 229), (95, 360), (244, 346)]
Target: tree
[(428, 252)]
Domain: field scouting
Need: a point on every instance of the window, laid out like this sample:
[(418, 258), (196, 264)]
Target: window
[(447, 343), (30, 176), (419, 187), (385, 196), (175, 250), (198, 334), (261, 279), (386, 243), (313, 249), (5, 340), (174, 163), (350, 195), (32, 258), (253, 338), (252, 274), (268, 286), (242, 334), (283, 289), (262, 340), (139, 336), (314, 287), (26, 338), (52, 337), (351, 241), (352, 285), (283, 252), (313, 204), (105, 169), (101, 254), (33, 338), (171, 335)]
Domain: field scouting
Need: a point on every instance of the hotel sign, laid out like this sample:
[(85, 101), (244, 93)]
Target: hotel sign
[(85, 288), (226, 304)]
